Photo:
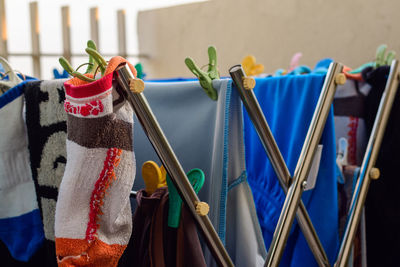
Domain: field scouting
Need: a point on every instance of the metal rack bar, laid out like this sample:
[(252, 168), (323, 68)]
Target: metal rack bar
[(35, 35), (370, 156), (257, 117), (303, 166), (167, 156)]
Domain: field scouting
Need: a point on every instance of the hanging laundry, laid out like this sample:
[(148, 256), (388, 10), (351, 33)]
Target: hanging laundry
[(47, 132), (350, 111), (288, 103), (93, 214), (207, 134), (21, 227), (382, 204), (156, 244)]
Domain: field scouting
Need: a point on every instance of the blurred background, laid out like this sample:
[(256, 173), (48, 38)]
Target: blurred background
[(161, 33)]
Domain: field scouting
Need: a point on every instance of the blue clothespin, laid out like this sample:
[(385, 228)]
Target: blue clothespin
[(206, 78), (196, 178), (60, 75)]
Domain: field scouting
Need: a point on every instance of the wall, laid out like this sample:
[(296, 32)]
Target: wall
[(272, 30)]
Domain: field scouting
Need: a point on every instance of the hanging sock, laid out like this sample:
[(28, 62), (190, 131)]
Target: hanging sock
[(93, 214)]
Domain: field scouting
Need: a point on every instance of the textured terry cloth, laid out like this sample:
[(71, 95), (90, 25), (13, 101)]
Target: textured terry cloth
[(156, 244), (207, 134), (93, 215), (288, 103), (21, 227), (382, 205), (47, 133)]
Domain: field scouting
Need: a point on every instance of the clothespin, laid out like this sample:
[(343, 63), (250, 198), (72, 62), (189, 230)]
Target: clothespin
[(341, 158), (95, 61), (206, 78), (196, 178), (60, 75), (154, 177), (139, 69), (13, 78), (250, 67), (295, 61), (381, 59)]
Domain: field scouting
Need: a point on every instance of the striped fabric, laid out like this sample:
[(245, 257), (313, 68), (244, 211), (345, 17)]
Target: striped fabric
[(93, 216)]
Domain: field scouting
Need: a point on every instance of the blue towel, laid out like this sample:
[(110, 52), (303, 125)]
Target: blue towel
[(288, 103)]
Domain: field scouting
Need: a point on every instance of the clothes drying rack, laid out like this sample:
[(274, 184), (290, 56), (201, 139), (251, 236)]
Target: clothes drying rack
[(294, 186)]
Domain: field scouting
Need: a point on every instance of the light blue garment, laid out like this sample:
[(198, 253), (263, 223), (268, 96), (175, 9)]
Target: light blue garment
[(208, 135), (288, 103)]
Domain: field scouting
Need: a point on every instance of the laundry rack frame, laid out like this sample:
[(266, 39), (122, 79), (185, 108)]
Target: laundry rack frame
[(293, 202)]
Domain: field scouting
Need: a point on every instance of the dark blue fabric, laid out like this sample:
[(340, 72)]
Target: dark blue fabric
[(23, 235), (288, 103)]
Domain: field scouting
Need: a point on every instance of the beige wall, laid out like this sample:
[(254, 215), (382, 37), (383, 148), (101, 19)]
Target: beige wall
[(348, 31)]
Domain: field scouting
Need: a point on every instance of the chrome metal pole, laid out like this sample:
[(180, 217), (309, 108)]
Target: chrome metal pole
[(163, 149), (369, 160), (295, 191), (257, 117)]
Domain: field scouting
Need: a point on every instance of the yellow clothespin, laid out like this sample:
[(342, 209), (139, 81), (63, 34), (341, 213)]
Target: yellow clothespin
[(154, 177), (250, 67)]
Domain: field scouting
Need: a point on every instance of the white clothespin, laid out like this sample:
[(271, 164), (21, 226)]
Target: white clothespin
[(341, 157), (13, 78)]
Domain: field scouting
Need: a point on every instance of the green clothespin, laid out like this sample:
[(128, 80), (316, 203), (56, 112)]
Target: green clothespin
[(206, 78), (196, 178), (381, 58), (380, 55), (139, 69), (91, 65), (390, 57), (100, 61)]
